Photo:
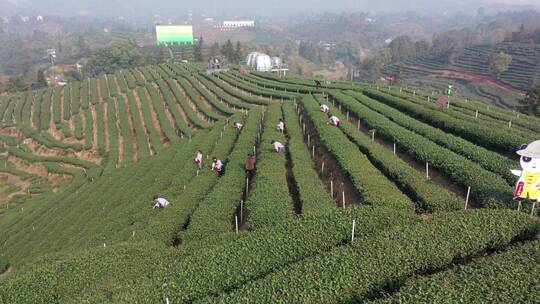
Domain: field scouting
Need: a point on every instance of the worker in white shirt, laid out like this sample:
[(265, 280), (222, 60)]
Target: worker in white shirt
[(160, 202), (325, 109), (278, 147), (238, 126), (281, 126), (217, 165), (199, 160), (334, 121)]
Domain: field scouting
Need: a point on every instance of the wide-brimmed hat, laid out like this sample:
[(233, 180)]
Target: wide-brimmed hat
[(531, 150)]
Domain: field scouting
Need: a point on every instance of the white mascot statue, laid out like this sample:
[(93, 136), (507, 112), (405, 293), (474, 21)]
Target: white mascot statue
[(528, 184)]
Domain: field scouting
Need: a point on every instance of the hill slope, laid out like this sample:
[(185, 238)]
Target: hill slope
[(286, 234)]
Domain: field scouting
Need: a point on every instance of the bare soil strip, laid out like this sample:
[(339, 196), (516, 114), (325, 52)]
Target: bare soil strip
[(143, 122), (134, 150), (155, 119), (191, 103), (334, 178), (115, 116)]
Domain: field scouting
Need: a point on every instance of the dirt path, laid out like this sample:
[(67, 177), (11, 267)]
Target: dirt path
[(183, 113), (116, 118), (190, 102), (203, 99), (217, 97), (106, 127), (132, 131), (155, 118), (291, 181), (168, 111), (143, 122), (470, 77), (333, 177), (94, 128)]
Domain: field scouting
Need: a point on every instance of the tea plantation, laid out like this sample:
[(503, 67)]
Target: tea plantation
[(403, 202)]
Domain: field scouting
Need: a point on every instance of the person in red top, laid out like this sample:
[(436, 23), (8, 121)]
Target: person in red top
[(251, 162)]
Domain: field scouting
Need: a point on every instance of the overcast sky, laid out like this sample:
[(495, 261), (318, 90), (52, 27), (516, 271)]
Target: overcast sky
[(256, 8)]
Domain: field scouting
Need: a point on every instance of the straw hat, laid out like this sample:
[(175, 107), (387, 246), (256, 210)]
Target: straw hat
[(531, 150)]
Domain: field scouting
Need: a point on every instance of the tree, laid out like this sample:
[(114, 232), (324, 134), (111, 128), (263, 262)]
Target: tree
[(197, 51), (41, 81), (531, 103), (228, 51), (16, 84), (238, 52), (402, 48), (84, 48), (499, 63), (120, 55)]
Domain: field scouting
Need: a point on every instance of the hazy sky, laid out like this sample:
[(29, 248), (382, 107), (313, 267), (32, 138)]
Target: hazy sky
[(258, 8)]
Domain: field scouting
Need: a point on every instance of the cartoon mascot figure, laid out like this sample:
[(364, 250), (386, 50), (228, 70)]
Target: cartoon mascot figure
[(528, 185)]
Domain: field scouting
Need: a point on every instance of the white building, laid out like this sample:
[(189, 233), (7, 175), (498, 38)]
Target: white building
[(234, 24), (259, 61)]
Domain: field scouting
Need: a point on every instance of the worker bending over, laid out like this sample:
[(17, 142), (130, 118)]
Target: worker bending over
[(334, 121), (238, 126), (278, 147), (325, 109), (217, 165), (160, 202)]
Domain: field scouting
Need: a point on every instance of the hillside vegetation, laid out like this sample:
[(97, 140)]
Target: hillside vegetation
[(345, 214)]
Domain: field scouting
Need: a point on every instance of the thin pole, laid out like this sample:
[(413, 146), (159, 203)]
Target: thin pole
[(343, 197), (353, 230), (313, 151), (394, 148), (322, 167), (533, 207), (427, 170), (467, 199), (247, 186), (332, 188), (358, 124), (476, 116), (308, 140), (236, 223), (347, 115)]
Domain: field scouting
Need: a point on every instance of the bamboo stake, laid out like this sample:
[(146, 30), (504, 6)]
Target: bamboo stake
[(353, 230), (427, 170), (467, 199), (236, 223)]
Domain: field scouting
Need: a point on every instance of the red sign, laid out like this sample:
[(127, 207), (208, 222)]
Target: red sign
[(519, 189)]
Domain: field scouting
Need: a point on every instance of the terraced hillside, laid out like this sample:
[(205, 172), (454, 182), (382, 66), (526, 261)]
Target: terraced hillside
[(401, 197), (471, 73)]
